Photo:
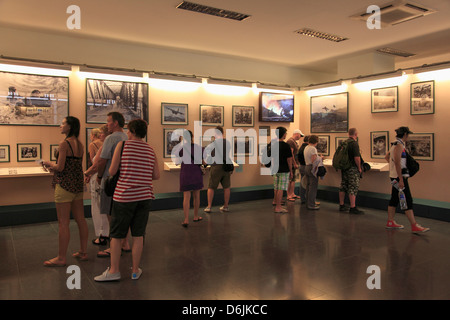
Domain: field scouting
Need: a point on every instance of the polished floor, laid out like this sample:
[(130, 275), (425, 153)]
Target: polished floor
[(249, 253)]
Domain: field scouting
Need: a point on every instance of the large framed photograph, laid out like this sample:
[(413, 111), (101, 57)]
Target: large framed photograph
[(54, 149), (4, 153), (379, 144), (422, 97), (211, 115), (323, 146), (421, 146), (276, 107), (33, 100), (105, 96), (339, 140), (174, 113), (385, 100), (168, 143), (243, 116), (329, 113), (243, 146), (27, 152)]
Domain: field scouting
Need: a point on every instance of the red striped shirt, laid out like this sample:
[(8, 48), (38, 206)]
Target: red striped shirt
[(136, 171)]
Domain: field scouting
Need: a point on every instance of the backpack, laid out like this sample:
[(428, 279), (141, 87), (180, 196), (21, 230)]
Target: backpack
[(267, 154), (341, 160), (412, 165)]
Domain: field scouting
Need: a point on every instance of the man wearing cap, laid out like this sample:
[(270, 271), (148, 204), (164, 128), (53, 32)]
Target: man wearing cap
[(292, 142), (398, 171)]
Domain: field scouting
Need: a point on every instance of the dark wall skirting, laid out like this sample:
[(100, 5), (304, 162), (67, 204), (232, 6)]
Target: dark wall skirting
[(46, 212)]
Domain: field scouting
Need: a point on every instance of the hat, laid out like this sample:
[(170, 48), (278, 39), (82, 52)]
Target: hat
[(403, 130), (298, 131)]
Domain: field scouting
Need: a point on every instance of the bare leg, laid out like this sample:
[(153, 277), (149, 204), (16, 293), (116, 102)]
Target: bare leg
[(78, 215), (226, 197), (115, 249), (196, 194), (138, 244), (186, 205), (210, 197)]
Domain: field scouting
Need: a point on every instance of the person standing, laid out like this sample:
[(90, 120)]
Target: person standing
[(285, 172), (68, 184), (398, 171), (350, 177), (312, 181), (302, 166), (132, 197), (292, 142)]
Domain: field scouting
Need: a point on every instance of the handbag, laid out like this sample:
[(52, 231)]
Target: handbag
[(111, 181), (412, 165)]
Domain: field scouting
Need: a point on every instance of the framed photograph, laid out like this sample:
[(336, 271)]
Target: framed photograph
[(243, 116), (422, 97), (168, 143), (211, 115), (385, 100), (276, 107), (4, 153), (339, 140), (54, 148), (33, 100), (104, 96), (421, 146), (329, 113), (27, 152), (323, 147), (174, 113), (379, 144), (243, 146)]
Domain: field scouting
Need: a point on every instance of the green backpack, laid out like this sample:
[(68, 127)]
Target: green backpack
[(341, 160)]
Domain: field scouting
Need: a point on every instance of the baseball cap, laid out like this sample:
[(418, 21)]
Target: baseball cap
[(298, 131), (403, 130)]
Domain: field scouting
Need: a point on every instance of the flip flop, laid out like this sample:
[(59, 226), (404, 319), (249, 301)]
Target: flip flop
[(198, 219), (49, 263), (82, 256), (103, 254)]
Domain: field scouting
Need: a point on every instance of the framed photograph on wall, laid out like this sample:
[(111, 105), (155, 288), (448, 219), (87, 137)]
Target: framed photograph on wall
[(54, 148), (339, 140), (422, 97), (385, 100), (168, 143), (4, 153), (421, 146), (329, 113), (243, 116), (323, 146), (379, 144), (174, 113), (211, 115), (243, 146), (27, 152), (33, 100), (104, 96)]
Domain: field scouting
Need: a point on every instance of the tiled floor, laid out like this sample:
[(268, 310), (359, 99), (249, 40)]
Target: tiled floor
[(249, 253)]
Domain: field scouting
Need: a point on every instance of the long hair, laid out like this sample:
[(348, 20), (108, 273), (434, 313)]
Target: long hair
[(74, 124)]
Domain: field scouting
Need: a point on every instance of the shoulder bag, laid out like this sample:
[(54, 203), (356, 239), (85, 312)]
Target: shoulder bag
[(111, 181)]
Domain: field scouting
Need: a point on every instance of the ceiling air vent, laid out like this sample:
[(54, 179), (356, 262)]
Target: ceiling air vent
[(185, 5), (320, 35), (395, 52), (397, 12)]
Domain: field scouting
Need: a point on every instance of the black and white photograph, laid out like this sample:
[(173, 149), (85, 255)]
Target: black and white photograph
[(54, 148), (105, 96), (243, 146), (27, 152), (421, 146), (379, 144), (168, 143), (174, 113), (329, 113), (276, 107), (211, 115), (4, 153), (422, 97), (339, 140), (323, 146), (385, 100), (243, 116), (33, 100)]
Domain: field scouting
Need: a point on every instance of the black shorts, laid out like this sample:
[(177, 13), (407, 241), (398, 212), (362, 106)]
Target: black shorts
[(394, 195), (129, 215)]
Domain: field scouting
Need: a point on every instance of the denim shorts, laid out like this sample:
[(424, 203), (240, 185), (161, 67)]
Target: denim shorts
[(129, 215)]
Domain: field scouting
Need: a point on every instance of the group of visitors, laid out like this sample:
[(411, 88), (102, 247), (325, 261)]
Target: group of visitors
[(125, 213)]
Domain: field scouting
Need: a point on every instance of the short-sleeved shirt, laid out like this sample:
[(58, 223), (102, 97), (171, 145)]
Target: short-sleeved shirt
[(109, 145), (284, 154), (293, 144), (301, 155), (216, 150), (353, 150), (309, 152)]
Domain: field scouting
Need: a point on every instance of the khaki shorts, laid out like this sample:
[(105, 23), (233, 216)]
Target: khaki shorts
[(62, 195), (217, 175)]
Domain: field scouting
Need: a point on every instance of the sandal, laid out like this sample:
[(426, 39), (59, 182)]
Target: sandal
[(103, 254), (198, 219), (185, 225), (82, 256), (50, 263)]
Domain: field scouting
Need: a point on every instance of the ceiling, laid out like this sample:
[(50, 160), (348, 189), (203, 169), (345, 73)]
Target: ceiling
[(268, 35)]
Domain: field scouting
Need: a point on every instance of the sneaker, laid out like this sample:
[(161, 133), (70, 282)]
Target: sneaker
[(106, 276), (343, 207), (224, 209), (207, 210), (416, 228), (136, 275), (393, 225), (316, 207), (355, 210)]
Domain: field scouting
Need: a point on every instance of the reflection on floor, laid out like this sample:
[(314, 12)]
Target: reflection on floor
[(246, 254)]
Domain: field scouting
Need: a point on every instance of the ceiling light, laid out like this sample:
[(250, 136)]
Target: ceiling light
[(395, 52), (320, 35), (186, 5)]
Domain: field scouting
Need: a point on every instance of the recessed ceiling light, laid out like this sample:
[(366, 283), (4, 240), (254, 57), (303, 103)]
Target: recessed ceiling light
[(190, 6), (320, 35)]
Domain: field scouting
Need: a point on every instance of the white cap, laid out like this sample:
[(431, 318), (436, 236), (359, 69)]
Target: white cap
[(298, 131)]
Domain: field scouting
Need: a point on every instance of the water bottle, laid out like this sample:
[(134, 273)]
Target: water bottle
[(402, 197)]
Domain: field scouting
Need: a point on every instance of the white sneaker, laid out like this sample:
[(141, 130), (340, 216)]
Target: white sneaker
[(136, 275), (207, 210), (224, 209), (106, 276)]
